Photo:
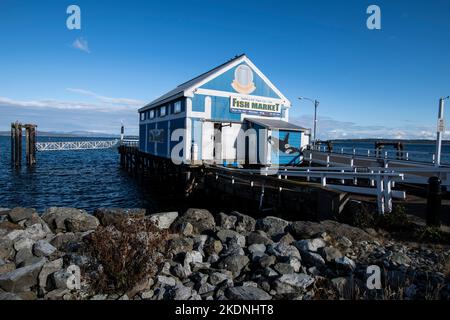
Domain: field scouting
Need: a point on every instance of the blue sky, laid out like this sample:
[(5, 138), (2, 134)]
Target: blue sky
[(370, 83)]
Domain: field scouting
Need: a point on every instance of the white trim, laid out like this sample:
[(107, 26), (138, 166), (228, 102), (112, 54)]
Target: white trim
[(189, 91)]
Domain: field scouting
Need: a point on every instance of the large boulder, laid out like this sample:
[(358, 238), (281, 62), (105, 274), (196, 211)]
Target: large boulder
[(21, 279), (310, 244), (244, 222), (226, 221), (234, 263), (69, 219), (226, 235), (307, 229), (48, 269), (43, 249), (163, 220), (114, 216), (6, 248), (296, 280), (19, 214), (247, 293), (200, 219), (273, 226)]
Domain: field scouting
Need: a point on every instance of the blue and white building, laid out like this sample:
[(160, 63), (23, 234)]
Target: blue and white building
[(215, 111)]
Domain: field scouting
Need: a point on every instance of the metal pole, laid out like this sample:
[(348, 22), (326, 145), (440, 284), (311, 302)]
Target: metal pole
[(316, 104), (440, 129)]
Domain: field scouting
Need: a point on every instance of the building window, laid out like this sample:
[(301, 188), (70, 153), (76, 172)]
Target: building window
[(142, 116), (152, 114), (177, 107), (162, 111)]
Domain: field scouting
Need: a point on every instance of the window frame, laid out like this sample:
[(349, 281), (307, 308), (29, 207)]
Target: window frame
[(177, 103), (165, 111)]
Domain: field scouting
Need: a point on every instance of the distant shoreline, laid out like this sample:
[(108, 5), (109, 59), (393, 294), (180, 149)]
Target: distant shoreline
[(106, 135)]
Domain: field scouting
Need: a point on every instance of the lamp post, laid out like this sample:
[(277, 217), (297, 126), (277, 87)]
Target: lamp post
[(316, 104), (440, 130)]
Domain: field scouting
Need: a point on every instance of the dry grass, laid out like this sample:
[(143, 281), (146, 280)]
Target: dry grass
[(124, 254)]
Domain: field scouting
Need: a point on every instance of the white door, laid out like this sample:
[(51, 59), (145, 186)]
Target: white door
[(207, 140)]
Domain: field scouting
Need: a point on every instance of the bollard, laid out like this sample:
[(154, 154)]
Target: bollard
[(434, 202)]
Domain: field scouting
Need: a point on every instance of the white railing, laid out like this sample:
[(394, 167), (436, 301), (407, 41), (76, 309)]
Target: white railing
[(75, 145), (392, 154), (381, 183), (130, 142)]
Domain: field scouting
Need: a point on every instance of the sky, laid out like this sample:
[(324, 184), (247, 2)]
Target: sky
[(370, 83)]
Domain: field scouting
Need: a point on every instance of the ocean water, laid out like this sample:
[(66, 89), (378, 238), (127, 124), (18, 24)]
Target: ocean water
[(85, 179), (93, 178)]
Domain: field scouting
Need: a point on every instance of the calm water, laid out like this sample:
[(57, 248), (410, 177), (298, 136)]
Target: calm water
[(92, 179), (81, 179)]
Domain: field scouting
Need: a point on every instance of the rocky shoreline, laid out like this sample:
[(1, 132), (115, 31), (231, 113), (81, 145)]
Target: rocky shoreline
[(201, 256)]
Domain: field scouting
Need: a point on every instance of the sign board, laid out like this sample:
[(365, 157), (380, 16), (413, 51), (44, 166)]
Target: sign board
[(441, 125), (255, 105)]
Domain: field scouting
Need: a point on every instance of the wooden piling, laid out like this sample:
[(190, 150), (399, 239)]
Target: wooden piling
[(30, 131)]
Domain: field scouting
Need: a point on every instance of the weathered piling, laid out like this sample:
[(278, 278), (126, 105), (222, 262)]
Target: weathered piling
[(16, 144), (30, 131)]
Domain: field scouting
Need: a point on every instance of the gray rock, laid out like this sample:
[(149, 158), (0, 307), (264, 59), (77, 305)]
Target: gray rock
[(226, 222), (60, 240), (287, 238), (247, 293), (201, 219), (163, 220), (257, 248), (179, 245), (21, 279), (61, 279), (345, 263), (43, 249), (216, 278), (297, 280), (23, 243), (6, 248), (244, 222), (147, 295), (69, 219), (23, 255), (234, 263), (312, 258), (283, 250), (192, 257), (273, 226), (206, 289), (181, 292), (7, 267), (36, 232), (166, 281), (258, 237), (310, 244), (181, 272), (115, 216), (283, 268), (330, 254), (212, 246), (295, 263), (186, 229), (48, 269), (9, 296), (19, 214), (266, 261), (226, 235)]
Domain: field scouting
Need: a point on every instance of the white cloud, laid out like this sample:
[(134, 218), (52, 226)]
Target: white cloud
[(120, 101), (81, 44), (329, 128)]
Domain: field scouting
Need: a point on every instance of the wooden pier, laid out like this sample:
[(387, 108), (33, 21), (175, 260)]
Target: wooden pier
[(16, 143)]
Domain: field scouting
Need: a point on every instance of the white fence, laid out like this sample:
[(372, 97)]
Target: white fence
[(84, 145)]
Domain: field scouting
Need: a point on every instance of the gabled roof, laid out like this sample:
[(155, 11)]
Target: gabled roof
[(276, 124), (186, 88)]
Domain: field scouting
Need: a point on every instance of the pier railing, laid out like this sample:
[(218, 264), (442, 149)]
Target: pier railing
[(417, 156), (380, 183)]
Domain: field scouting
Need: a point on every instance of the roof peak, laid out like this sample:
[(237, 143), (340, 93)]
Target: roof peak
[(238, 56)]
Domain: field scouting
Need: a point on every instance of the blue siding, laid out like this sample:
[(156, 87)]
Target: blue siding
[(223, 83), (221, 110), (198, 103), (142, 137)]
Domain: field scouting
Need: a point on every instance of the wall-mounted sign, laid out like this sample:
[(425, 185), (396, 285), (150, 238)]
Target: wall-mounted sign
[(156, 135), (243, 80), (253, 105)]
